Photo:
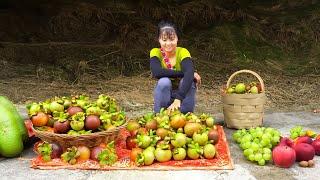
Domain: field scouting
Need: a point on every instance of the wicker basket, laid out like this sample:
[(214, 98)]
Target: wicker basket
[(244, 110), (89, 140)]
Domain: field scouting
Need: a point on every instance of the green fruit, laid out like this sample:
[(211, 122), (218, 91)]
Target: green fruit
[(193, 153), (179, 140), (254, 90), (162, 155), (55, 106), (148, 157), (240, 88), (179, 154), (201, 139), (210, 121), (230, 90), (209, 151), (9, 105), (11, 143), (77, 125)]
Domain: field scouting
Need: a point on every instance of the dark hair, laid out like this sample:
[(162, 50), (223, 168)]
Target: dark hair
[(167, 27)]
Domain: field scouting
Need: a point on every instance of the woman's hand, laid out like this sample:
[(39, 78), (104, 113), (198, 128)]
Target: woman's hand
[(198, 79), (175, 105)]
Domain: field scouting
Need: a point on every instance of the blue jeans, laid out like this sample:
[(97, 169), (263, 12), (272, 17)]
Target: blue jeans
[(162, 96)]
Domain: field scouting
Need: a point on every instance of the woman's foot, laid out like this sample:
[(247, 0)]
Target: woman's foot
[(316, 111)]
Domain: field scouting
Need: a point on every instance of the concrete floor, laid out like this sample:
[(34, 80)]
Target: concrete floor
[(18, 168)]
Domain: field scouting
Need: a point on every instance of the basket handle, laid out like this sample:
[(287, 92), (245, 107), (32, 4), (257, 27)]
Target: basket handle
[(249, 72)]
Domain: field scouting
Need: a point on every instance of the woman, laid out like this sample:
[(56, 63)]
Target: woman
[(173, 68)]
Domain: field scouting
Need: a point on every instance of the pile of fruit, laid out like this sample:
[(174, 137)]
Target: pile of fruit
[(76, 115), (171, 135), (105, 154), (257, 143), (242, 88), (298, 131), (304, 144)]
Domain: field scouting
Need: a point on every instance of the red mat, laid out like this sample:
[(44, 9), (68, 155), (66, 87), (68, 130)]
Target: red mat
[(222, 160)]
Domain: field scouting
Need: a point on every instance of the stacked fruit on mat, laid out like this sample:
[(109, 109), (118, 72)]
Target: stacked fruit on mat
[(171, 135), (76, 115), (105, 154)]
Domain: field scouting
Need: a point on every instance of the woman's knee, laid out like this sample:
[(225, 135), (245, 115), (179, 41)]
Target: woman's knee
[(164, 83)]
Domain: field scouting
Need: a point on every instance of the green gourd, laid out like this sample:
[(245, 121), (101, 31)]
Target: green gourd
[(11, 142), (22, 128)]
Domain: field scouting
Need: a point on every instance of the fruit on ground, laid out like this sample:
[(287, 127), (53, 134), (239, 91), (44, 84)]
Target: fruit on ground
[(5, 102), (304, 152), (316, 146), (283, 155), (11, 143), (303, 139)]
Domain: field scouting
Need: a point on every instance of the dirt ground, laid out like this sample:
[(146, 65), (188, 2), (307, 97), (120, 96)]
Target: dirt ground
[(134, 93)]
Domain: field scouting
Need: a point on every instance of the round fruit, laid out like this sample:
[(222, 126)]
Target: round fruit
[(73, 110), (132, 126), (209, 151), (191, 128), (61, 127), (95, 152), (41, 119), (254, 90), (134, 153), (92, 122), (316, 146), (161, 132), (162, 155), (179, 154), (240, 88), (148, 157), (304, 152), (177, 121), (56, 150), (213, 135), (310, 163), (84, 153), (303, 163), (131, 142)]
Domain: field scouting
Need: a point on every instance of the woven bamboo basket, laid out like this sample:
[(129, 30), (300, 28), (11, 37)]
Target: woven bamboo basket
[(89, 140), (244, 110)]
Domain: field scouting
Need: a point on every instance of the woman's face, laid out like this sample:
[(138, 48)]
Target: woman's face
[(168, 42)]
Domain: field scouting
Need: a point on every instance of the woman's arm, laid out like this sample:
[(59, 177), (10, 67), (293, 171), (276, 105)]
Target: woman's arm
[(188, 76), (159, 72)]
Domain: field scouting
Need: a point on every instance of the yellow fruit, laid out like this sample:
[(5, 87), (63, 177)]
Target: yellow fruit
[(311, 133)]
